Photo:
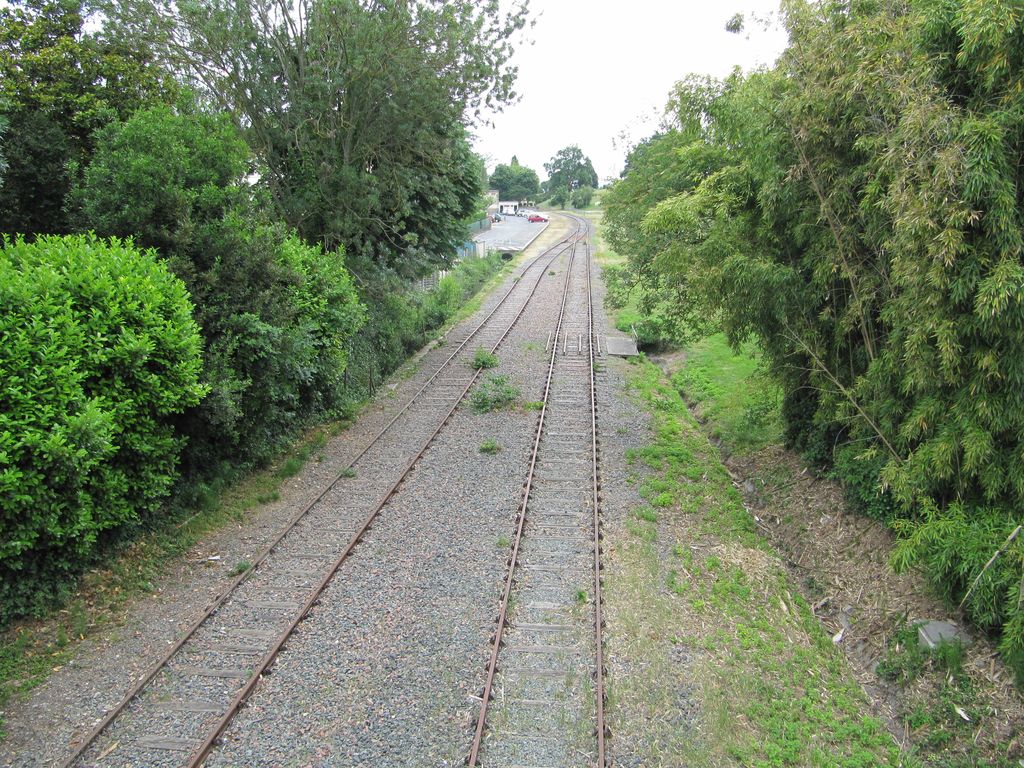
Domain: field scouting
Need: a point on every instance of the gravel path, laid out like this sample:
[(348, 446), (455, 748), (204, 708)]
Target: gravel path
[(385, 670)]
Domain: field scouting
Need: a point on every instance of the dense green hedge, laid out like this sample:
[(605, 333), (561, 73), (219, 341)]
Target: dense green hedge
[(98, 351), (276, 314)]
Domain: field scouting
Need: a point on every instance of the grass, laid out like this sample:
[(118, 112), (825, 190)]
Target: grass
[(489, 447), (31, 650), (732, 392), (294, 463), (690, 578)]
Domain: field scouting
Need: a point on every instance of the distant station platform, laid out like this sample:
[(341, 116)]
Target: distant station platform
[(512, 233)]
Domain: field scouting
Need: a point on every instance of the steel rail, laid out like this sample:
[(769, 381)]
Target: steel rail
[(568, 241), (243, 693), (599, 687), (492, 665)]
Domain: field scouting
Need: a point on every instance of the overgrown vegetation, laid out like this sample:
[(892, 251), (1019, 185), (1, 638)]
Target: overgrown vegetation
[(296, 196), (493, 394), (483, 359), (872, 246), (728, 663)]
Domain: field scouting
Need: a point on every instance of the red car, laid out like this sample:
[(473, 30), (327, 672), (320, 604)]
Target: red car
[(536, 217)]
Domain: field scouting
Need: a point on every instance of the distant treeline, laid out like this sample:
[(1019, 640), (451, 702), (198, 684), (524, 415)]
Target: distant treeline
[(211, 223), (858, 210)]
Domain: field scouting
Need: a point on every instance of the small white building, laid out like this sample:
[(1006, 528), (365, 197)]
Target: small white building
[(508, 208)]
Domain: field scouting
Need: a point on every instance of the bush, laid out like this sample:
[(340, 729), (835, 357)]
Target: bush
[(99, 350), (400, 320), (581, 197), (276, 314), (492, 394), (482, 359)]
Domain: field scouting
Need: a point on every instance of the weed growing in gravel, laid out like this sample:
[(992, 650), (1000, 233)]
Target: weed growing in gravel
[(493, 394), (551, 271), (242, 567), (646, 513), (503, 542), (348, 472), (533, 405), (489, 447), (581, 596), (268, 498), (482, 359)]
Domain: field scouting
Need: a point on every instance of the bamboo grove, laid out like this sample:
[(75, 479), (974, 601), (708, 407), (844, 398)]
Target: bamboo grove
[(858, 210)]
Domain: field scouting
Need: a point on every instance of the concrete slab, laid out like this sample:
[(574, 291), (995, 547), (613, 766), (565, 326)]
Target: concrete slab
[(931, 633), (512, 233), (623, 346)]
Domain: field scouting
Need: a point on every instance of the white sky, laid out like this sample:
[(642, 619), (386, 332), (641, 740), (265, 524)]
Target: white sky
[(616, 62)]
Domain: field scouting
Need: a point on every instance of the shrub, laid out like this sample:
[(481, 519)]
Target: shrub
[(483, 359), (276, 314), (492, 394), (582, 196), (99, 350)]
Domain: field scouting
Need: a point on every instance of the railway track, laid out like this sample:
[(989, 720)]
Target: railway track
[(543, 698), (176, 712)]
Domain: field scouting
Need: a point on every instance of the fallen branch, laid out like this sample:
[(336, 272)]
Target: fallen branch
[(1009, 540)]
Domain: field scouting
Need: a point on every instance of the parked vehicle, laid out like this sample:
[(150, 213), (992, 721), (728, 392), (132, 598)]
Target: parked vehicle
[(537, 217)]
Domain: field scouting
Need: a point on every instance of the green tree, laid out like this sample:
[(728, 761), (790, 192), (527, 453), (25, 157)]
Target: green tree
[(581, 197), (357, 110), (59, 83), (873, 247), (3, 156), (571, 169), (159, 175), (277, 315), (515, 181)]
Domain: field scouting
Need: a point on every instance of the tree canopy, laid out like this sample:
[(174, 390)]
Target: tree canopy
[(571, 169), (856, 210), (515, 181), (58, 84), (356, 110)]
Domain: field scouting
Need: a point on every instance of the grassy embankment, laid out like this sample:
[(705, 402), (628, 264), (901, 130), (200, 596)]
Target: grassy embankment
[(721, 661)]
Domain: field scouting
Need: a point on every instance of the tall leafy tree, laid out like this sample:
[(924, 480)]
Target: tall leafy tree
[(276, 314), (357, 108), (59, 83), (3, 157), (515, 181), (571, 169)]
